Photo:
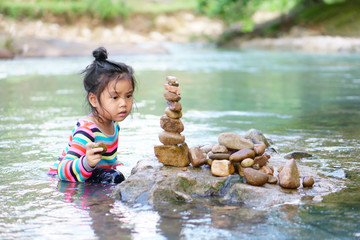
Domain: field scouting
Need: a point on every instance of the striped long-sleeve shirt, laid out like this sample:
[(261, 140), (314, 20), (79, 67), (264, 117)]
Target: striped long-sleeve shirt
[(72, 165)]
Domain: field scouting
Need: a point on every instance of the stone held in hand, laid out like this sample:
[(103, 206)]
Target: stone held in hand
[(171, 138), (308, 181), (174, 106), (172, 89), (101, 145), (234, 141), (172, 96), (222, 168), (171, 124), (242, 154), (289, 175), (255, 177), (259, 149), (173, 155), (218, 156), (197, 157), (173, 114)]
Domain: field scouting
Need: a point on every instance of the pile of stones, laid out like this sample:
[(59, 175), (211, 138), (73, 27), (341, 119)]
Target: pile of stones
[(232, 154), (175, 151)]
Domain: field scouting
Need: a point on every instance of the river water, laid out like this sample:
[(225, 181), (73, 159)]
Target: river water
[(303, 102)]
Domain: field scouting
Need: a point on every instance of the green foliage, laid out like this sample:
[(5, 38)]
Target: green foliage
[(108, 9), (334, 19), (103, 9), (242, 10), (235, 11)]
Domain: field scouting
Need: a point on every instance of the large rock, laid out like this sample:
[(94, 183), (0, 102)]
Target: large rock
[(153, 183), (289, 175), (234, 141), (173, 155)]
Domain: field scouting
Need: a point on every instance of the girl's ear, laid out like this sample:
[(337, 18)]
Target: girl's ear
[(93, 100)]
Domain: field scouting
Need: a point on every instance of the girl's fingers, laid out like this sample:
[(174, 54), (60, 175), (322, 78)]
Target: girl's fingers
[(91, 147)]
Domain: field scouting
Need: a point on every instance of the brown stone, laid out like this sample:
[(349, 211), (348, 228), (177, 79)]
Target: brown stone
[(173, 114), (197, 157), (242, 154), (173, 155), (103, 146), (171, 124), (255, 177), (266, 169), (272, 179), (256, 166), (308, 182), (241, 170), (261, 160), (171, 79), (219, 149), (172, 89), (175, 84), (218, 156), (259, 149), (174, 106), (172, 97), (222, 168), (289, 175), (247, 162), (171, 138), (234, 141)]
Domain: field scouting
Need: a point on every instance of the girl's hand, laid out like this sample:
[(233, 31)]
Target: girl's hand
[(93, 154)]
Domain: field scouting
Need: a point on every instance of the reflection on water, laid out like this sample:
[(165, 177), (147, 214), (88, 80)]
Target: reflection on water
[(302, 102)]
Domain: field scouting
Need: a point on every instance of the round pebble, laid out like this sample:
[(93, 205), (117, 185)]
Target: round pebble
[(308, 182)]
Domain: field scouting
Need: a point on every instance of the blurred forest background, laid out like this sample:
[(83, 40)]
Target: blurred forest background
[(23, 23)]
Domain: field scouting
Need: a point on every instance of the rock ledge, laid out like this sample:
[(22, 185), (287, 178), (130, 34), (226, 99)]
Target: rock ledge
[(151, 183)]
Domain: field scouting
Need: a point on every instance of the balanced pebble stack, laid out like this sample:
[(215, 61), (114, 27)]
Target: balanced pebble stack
[(175, 151)]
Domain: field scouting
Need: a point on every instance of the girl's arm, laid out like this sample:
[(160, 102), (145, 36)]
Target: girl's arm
[(81, 158)]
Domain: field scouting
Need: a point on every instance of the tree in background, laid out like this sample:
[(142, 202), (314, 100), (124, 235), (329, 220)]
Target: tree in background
[(241, 11)]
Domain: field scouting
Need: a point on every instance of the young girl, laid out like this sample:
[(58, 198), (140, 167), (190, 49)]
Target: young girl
[(109, 86)]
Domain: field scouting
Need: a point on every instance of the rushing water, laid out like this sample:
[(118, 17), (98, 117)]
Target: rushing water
[(302, 102)]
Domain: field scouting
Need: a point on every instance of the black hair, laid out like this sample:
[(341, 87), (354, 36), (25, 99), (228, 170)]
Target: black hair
[(101, 72)]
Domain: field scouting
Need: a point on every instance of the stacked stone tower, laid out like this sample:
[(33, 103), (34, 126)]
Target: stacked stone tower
[(175, 151)]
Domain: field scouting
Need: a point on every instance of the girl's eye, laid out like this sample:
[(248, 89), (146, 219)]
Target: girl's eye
[(114, 97), (129, 96)]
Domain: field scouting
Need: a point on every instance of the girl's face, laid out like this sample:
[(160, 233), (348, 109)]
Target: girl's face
[(116, 100)]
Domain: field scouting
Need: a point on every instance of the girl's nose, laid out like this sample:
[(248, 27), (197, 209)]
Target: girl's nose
[(122, 102)]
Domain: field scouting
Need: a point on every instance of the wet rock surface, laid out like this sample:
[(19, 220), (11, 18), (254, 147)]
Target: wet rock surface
[(152, 183)]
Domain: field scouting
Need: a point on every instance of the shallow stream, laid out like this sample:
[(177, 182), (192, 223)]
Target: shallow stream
[(302, 102)]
